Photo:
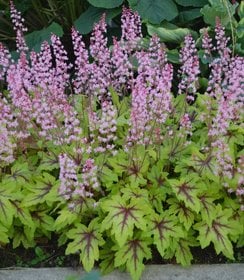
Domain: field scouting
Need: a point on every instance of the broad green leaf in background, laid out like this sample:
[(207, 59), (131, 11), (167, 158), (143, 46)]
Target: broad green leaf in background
[(168, 32), (84, 24), (36, 38), (224, 10), (108, 4), (193, 3), (155, 11), (186, 16)]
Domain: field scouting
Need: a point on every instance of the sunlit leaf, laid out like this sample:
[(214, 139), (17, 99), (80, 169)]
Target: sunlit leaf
[(86, 241), (132, 254), (123, 217)]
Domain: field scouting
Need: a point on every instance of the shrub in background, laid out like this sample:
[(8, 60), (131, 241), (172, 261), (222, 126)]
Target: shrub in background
[(122, 165)]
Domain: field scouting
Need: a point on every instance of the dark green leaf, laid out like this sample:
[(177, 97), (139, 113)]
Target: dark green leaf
[(155, 11), (189, 15), (108, 4), (84, 24), (35, 39), (168, 32), (193, 3)]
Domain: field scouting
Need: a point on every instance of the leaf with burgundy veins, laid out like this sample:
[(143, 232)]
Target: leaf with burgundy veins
[(132, 255), (163, 227), (186, 190), (218, 231), (186, 216), (123, 217), (86, 240)]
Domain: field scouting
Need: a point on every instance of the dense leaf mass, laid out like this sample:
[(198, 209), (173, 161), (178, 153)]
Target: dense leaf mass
[(106, 155)]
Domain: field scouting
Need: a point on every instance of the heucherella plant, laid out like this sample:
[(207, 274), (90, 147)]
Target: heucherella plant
[(107, 156)]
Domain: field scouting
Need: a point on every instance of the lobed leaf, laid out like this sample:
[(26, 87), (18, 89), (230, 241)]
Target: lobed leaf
[(123, 217), (86, 240), (132, 254)]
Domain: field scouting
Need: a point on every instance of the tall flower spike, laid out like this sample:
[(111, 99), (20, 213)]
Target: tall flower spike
[(122, 72), (100, 78), (5, 60), (131, 26), (189, 69), (82, 65), (222, 41), (42, 68), (7, 132), (207, 44), (107, 128), (139, 114), (61, 75), (19, 27)]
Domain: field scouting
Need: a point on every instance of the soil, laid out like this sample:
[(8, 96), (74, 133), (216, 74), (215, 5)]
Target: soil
[(49, 255)]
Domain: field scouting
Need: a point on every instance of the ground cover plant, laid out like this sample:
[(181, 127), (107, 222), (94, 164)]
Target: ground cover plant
[(105, 155)]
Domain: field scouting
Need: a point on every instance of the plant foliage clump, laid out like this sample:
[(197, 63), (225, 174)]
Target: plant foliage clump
[(113, 161)]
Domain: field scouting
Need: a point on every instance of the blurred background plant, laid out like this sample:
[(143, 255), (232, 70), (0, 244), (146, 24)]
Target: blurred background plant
[(171, 20)]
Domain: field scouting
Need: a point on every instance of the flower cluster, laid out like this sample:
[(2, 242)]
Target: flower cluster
[(4, 61), (7, 132), (19, 27), (190, 68)]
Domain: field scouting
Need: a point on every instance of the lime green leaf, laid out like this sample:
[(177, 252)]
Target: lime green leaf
[(6, 207), (3, 234), (208, 207), (168, 32), (108, 176), (132, 254), (43, 220), (48, 162), (26, 237), (106, 4), (86, 240), (45, 189), (218, 231), (186, 191), (185, 215), (155, 10), (23, 214), (156, 197), (123, 217), (183, 253), (132, 193), (107, 256), (20, 173), (65, 218), (163, 227)]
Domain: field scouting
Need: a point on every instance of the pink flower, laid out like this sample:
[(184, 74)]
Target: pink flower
[(190, 68), (19, 27)]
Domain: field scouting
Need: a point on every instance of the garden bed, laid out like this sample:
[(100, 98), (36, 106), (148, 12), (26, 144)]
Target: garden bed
[(50, 255)]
